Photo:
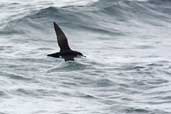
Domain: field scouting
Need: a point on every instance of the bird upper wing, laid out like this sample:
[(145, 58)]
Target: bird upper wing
[(61, 38)]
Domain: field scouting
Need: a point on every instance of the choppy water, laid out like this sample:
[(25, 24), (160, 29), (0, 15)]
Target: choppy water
[(127, 69)]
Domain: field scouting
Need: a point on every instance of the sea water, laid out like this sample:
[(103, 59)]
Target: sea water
[(127, 68)]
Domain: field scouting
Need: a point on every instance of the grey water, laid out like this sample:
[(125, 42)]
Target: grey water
[(127, 69)]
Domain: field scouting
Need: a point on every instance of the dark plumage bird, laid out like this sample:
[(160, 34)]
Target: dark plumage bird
[(65, 51)]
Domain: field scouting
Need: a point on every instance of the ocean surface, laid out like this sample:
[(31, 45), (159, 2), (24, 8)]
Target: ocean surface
[(127, 68)]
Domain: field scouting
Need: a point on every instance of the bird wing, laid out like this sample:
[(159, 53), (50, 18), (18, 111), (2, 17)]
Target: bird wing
[(61, 38)]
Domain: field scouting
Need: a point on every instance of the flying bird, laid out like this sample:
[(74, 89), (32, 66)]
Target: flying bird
[(65, 51)]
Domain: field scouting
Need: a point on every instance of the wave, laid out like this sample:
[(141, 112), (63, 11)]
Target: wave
[(100, 16)]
